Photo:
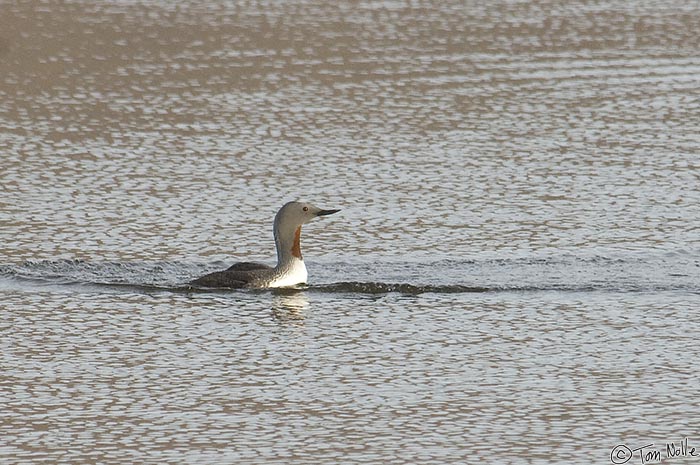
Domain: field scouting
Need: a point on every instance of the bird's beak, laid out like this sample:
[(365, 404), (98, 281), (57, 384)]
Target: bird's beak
[(326, 212)]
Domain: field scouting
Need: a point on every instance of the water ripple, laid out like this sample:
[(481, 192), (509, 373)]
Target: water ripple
[(516, 257)]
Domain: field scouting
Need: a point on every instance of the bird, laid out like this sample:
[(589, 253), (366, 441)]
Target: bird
[(290, 270)]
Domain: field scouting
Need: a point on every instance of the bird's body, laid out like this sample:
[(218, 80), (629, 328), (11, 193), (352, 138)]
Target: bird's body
[(290, 270), (255, 275)]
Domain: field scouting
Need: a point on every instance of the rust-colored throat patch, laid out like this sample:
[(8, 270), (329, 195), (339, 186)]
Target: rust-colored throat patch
[(296, 247)]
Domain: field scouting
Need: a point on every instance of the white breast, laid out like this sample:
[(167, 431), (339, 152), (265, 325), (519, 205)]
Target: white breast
[(296, 274)]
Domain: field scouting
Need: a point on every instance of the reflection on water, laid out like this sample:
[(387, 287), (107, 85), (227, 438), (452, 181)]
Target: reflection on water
[(290, 305), (514, 278)]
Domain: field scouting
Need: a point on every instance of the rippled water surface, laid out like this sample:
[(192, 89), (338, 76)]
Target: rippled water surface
[(514, 276)]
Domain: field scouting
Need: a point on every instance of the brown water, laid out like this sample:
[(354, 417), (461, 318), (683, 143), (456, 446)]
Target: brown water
[(514, 276)]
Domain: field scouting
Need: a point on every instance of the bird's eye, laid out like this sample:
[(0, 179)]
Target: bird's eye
[(305, 209)]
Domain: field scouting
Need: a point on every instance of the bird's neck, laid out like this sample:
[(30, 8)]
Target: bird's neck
[(288, 248)]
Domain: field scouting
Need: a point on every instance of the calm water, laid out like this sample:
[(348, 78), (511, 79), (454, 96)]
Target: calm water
[(514, 276)]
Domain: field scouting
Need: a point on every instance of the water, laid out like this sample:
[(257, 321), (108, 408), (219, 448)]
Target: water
[(513, 278)]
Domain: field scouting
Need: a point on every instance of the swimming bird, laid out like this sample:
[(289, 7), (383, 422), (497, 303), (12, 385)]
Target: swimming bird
[(290, 270)]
